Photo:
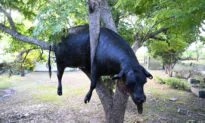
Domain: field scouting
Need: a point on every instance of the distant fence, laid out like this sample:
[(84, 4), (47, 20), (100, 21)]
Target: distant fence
[(150, 63), (188, 65), (43, 67)]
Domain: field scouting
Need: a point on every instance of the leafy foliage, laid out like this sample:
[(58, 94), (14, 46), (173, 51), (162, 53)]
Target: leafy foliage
[(56, 16), (183, 20), (202, 39), (166, 50), (126, 31), (23, 13), (25, 7)]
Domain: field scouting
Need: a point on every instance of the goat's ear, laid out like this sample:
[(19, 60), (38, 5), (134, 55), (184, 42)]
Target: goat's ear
[(118, 76), (147, 74)]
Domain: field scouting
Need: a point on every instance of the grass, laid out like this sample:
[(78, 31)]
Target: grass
[(158, 103), (49, 93), (5, 82), (45, 93), (164, 93), (198, 109), (42, 91)]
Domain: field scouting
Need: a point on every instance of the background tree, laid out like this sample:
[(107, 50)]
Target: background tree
[(169, 21), (23, 25)]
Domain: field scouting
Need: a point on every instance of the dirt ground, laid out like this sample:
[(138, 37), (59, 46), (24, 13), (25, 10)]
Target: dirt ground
[(33, 99)]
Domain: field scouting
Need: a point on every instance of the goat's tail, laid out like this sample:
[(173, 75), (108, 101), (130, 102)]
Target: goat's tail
[(49, 61)]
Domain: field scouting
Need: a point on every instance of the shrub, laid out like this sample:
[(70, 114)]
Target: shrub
[(160, 80), (174, 83), (177, 83)]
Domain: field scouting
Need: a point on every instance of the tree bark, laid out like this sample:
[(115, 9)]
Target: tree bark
[(166, 66), (22, 71), (197, 55), (9, 19), (148, 62), (94, 26), (114, 104), (106, 16), (153, 34), (137, 44)]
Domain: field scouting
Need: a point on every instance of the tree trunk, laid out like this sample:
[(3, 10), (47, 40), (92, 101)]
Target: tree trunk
[(170, 65), (114, 103), (166, 68), (22, 71), (94, 26), (115, 111), (106, 16), (137, 43), (148, 62), (197, 55), (170, 70)]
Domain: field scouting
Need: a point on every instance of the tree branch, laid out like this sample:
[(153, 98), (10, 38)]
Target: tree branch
[(11, 22), (23, 38), (117, 19), (151, 35), (25, 57), (25, 51), (156, 23), (139, 42), (158, 38)]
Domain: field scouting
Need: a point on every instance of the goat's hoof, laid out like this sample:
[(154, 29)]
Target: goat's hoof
[(87, 99)]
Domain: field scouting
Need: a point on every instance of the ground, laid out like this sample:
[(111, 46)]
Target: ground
[(33, 99)]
